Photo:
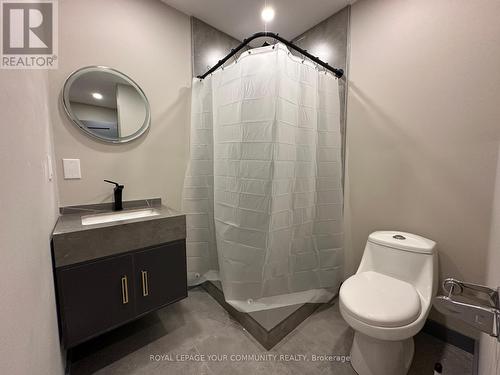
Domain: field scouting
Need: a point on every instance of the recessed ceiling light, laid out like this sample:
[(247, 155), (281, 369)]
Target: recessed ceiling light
[(267, 14), (97, 95)]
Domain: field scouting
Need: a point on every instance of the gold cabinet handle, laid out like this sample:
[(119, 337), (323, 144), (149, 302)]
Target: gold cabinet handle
[(124, 290), (145, 287)]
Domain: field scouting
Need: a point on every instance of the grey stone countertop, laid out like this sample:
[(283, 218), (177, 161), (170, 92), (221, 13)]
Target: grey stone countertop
[(74, 242)]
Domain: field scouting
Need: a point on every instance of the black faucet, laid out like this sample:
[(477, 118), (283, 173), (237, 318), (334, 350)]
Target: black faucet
[(118, 195)]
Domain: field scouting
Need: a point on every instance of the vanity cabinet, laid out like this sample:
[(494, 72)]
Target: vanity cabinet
[(93, 297), (155, 269), (102, 294)]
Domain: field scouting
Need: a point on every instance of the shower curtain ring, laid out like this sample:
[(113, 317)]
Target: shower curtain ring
[(234, 56)]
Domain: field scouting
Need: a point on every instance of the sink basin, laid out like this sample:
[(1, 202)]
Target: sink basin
[(117, 216)]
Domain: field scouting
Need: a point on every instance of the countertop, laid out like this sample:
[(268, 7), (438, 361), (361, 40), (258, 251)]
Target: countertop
[(70, 219), (74, 243)]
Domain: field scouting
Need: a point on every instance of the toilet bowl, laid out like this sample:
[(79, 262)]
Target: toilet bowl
[(388, 299)]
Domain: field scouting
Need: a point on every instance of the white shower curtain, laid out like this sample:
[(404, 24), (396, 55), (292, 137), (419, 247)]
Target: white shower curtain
[(263, 193)]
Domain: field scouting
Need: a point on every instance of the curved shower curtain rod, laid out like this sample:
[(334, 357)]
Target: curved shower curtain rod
[(264, 34)]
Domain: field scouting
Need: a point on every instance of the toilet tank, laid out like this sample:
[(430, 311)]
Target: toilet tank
[(404, 256)]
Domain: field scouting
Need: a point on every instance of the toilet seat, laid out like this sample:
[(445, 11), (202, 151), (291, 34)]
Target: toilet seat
[(380, 300)]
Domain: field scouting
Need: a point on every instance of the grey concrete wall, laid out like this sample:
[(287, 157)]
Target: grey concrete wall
[(329, 40), (209, 45)]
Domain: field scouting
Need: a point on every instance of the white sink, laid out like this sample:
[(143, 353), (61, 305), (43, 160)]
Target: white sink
[(117, 216)]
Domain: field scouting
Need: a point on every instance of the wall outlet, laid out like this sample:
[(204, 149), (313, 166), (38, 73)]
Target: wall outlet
[(72, 169)]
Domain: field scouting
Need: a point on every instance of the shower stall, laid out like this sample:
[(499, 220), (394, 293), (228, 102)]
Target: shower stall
[(263, 190)]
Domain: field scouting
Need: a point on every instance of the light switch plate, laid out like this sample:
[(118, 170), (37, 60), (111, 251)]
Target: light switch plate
[(72, 169)]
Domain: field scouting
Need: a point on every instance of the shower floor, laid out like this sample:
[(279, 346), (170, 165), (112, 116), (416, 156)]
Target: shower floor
[(179, 339), (267, 333)]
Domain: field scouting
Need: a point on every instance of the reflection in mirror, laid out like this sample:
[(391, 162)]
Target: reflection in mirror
[(106, 104)]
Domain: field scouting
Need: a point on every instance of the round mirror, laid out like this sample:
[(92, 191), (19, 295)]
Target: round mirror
[(106, 104)]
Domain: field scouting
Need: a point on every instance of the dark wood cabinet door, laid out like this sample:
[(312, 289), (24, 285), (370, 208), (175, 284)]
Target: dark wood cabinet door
[(95, 297), (160, 276)]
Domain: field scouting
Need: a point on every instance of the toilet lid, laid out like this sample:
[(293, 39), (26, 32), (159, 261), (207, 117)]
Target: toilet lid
[(380, 300)]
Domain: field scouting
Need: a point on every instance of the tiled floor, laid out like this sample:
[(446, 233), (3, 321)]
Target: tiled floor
[(197, 326)]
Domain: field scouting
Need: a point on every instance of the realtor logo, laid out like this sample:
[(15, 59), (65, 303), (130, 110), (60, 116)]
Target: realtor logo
[(29, 34)]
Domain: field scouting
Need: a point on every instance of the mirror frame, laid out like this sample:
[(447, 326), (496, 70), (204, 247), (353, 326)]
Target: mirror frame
[(98, 68)]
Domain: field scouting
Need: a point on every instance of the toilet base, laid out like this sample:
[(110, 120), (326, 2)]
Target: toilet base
[(370, 356)]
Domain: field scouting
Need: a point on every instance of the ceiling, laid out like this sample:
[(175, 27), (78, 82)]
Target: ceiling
[(241, 18)]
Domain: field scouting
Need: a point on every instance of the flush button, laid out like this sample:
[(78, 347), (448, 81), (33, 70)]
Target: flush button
[(399, 237)]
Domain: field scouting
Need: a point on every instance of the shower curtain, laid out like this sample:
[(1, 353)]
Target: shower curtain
[(263, 193)]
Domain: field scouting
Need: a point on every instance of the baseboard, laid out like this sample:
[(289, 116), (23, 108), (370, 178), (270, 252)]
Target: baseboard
[(268, 339), (450, 336)]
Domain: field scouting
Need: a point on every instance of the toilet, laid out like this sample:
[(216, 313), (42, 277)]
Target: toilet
[(388, 299)]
